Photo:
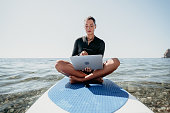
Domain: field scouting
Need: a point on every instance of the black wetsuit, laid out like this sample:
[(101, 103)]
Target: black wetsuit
[(96, 47)]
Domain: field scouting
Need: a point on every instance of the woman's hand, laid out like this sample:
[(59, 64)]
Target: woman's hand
[(83, 53), (87, 69)]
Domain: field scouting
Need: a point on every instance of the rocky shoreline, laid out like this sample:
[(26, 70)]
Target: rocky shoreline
[(19, 102), (156, 98), (167, 53)]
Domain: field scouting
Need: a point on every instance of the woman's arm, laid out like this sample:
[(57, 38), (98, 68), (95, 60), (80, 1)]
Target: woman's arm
[(102, 48), (75, 48)]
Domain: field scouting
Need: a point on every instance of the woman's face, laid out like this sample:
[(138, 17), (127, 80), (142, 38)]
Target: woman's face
[(90, 27)]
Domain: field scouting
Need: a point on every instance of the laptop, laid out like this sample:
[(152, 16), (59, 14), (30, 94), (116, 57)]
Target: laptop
[(92, 61)]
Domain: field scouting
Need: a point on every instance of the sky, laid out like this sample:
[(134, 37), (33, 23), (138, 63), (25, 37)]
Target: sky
[(49, 28)]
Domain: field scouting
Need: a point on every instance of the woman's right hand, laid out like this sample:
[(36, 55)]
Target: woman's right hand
[(87, 69), (83, 53)]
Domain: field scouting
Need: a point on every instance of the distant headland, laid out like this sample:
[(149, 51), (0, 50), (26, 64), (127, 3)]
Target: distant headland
[(167, 54)]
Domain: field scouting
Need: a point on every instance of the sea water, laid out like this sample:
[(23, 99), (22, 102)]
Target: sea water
[(23, 80)]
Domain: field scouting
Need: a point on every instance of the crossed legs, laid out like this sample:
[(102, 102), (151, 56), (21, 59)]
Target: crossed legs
[(67, 69)]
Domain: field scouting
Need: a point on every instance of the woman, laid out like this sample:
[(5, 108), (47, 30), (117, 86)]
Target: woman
[(88, 45)]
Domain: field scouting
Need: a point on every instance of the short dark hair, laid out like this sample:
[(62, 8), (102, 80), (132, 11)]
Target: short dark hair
[(91, 18)]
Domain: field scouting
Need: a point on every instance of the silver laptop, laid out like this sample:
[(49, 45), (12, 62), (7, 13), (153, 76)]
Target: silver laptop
[(92, 61)]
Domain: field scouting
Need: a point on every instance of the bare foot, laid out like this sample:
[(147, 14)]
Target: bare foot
[(80, 80), (96, 81), (74, 80)]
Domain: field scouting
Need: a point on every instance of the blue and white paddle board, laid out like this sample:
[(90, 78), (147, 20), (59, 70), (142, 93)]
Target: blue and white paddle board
[(64, 97)]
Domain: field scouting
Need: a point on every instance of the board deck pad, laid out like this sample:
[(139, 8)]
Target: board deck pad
[(98, 98)]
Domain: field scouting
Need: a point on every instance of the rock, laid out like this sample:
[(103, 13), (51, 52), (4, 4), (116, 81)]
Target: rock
[(163, 108), (158, 103), (167, 54), (160, 110), (168, 109), (161, 96), (30, 103), (138, 94), (131, 89), (143, 100), (152, 93), (149, 98), (164, 93), (21, 101), (11, 110), (152, 108), (1, 99)]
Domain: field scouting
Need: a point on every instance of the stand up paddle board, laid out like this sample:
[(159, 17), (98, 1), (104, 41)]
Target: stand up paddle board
[(64, 97)]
